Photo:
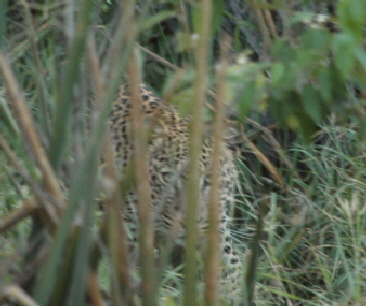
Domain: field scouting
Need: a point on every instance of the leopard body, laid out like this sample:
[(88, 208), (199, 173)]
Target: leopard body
[(168, 160)]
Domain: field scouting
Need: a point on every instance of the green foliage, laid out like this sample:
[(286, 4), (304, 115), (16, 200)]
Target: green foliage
[(312, 81), (196, 11)]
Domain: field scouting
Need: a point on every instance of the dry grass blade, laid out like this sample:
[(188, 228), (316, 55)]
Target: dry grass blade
[(15, 294), (265, 162), (19, 49), (159, 59), (275, 145), (17, 215), (48, 215), (271, 25), (262, 27), (29, 133), (40, 82), (94, 290)]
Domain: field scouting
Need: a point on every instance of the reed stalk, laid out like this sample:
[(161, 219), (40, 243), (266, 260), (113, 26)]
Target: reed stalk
[(193, 187), (61, 126), (30, 136), (212, 258), (141, 160)]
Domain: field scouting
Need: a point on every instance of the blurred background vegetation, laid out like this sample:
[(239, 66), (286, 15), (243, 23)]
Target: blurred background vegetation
[(295, 84)]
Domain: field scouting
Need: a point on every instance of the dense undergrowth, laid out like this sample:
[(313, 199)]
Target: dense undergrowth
[(295, 80)]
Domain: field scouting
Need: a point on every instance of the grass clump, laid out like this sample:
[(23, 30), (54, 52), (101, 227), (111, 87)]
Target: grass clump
[(299, 217)]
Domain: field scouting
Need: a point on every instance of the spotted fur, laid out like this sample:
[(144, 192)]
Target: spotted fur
[(168, 163)]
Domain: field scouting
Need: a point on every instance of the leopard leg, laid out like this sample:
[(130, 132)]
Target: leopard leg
[(231, 278)]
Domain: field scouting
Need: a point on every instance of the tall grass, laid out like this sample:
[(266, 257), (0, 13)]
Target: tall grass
[(300, 223), (310, 254), (193, 187)]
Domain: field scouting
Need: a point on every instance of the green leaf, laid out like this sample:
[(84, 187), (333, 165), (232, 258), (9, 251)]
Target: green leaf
[(352, 16), (277, 72), (307, 127), (361, 57), (281, 106), (344, 46), (156, 19), (217, 12), (184, 41), (301, 17), (362, 129), (169, 301), (183, 100), (317, 40), (246, 98), (360, 71), (196, 16), (312, 103), (282, 52), (293, 78), (325, 84), (339, 91)]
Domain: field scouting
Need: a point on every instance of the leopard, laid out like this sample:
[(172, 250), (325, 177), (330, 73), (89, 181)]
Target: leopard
[(168, 160)]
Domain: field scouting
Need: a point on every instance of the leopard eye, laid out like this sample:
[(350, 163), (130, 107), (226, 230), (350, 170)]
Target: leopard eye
[(168, 176)]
